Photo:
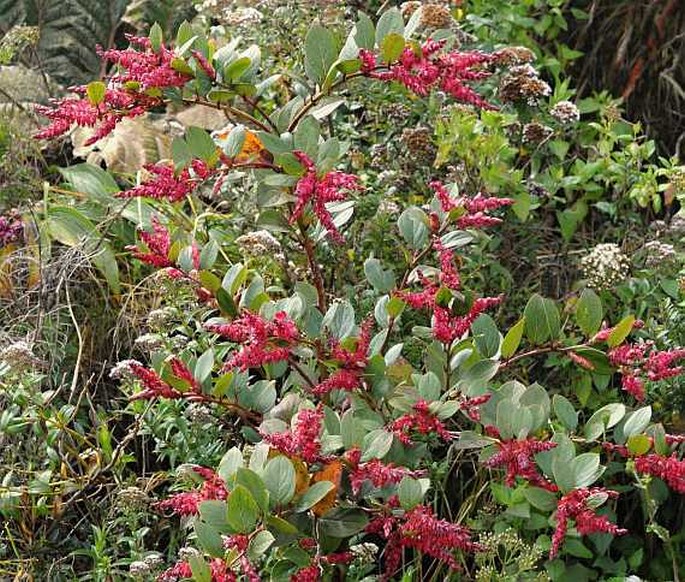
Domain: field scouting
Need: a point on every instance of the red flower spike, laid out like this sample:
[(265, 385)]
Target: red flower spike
[(419, 529), (354, 362), (158, 243), (127, 94), (319, 191), (188, 503), (668, 469), (425, 70), (421, 421), (376, 471), (304, 441), (180, 370), (264, 342), (153, 385), (311, 573), (165, 184), (575, 506), (517, 457)]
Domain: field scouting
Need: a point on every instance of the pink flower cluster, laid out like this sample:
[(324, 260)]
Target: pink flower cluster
[(218, 570), (446, 326), (130, 92), (153, 385), (639, 363), (378, 473), (576, 506), (311, 573), (166, 184), (421, 421), (247, 568), (213, 488), (332, 187), (425, 69), (517, 456), (669, 469), (353, 363), (143, 67), (158, 243), (471, 405), (475, 208), (264, 342), (304, 440), (115, 106), (421, 530)]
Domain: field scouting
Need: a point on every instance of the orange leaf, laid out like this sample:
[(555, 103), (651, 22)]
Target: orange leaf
[(252, 148), (331, 472)]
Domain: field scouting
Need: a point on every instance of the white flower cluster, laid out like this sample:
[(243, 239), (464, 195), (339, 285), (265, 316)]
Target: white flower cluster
[(143, 568), (259, 243), (159, 318), (605, 266), (123, 370), (149, 342), (657, 253), (18, 355), (365, 553), (565, 112)]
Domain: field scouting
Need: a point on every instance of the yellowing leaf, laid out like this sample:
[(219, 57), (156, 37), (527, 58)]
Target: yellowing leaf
[(331, 472)]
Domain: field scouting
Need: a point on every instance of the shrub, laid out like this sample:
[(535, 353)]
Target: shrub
[(348, 459)]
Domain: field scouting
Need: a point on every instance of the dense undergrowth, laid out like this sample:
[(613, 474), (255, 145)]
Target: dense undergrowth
[(320, 290)]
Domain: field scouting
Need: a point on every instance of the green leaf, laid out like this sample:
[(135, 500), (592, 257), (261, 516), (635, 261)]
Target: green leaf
[(339, 320), (313, 495), (214, 513), (320, 53), (410, 493), (204, 365), (230, 463), (376, 444), (343, 523), (413, 226), (382, 280), (637, 421), (542, 319), (486, 335), (200, 144), (541, 498), (209, 538), (180, 153), (565, 412), (199, 568), (259, 544), (605, 418), (392, 47), (234, 278), (91, 180), (279, 478), (96, 92), (243, 511), (589, 312), (586, 470), (307, 136), (364, 33), (513, 338), (235, 141), (621, 331), (391, 21), (156, 37)]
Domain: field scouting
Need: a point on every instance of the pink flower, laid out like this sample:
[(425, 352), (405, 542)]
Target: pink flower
[(424, 70), (213, 488), (166, 184), (304, 441), (421, 421), (669, 469), (332, 187), (153, 385), (354, 362), (264, 342), (575, 506), (476, 207), (517, 456), (205, 65), (447, 327), (471, 405), (180, 370), (378, 473), (311, 573), (421, 530)]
